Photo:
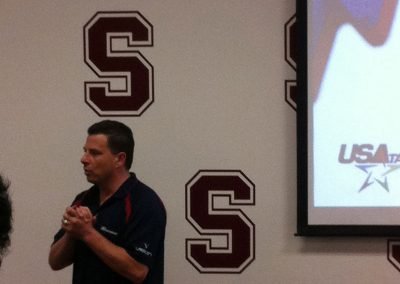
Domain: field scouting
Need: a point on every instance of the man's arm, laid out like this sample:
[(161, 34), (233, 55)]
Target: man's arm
[(115, 257), (62, 252)]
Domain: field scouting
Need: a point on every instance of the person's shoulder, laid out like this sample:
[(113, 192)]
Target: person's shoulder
[(82, 194), (148, 197), (146, 190), (139, 187)]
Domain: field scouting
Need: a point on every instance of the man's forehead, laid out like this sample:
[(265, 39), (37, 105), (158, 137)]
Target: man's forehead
[(99, 140)]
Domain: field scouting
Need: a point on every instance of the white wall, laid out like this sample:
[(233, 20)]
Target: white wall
[(219, 105)]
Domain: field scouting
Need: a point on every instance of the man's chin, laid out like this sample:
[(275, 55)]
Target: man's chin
[(91, 179)]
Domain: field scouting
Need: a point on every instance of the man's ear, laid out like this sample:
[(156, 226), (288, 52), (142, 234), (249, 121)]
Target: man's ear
[(120, 159)]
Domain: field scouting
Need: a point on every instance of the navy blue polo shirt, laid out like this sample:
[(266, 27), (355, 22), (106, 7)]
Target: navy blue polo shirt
[(134, 218)]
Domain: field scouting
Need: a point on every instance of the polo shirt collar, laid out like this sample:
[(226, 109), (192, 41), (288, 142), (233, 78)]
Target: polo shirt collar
[(126, 186)]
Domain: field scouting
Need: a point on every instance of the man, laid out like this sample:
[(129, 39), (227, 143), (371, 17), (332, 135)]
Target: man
[(5, 217), (114, 232)]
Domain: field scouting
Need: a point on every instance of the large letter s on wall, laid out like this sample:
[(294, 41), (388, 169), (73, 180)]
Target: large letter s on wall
[(213, 220), (111, 42)]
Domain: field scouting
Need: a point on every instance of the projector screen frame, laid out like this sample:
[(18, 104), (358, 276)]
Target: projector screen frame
[(304, 228)]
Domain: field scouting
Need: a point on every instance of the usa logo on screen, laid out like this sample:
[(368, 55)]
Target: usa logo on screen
[(374, 160)]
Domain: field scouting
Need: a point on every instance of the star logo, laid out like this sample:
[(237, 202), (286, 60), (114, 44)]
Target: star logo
[(377, 174)]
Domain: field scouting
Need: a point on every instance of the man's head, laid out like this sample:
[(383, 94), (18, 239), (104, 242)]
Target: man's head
[(109, 146), (5, 217)]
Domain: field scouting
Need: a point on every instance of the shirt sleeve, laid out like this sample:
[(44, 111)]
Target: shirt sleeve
[(145, 234), (58, 235)]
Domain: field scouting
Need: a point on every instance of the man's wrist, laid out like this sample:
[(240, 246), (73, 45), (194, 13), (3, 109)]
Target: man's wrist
[(90, 236)]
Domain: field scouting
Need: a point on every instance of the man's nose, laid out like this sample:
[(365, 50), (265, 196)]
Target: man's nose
[(84, 159)]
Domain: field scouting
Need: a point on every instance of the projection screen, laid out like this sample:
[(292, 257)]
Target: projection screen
[(348, 130)]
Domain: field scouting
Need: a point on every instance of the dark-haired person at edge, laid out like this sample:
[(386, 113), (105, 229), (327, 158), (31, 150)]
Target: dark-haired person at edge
[(5, 217), (113, 232)]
